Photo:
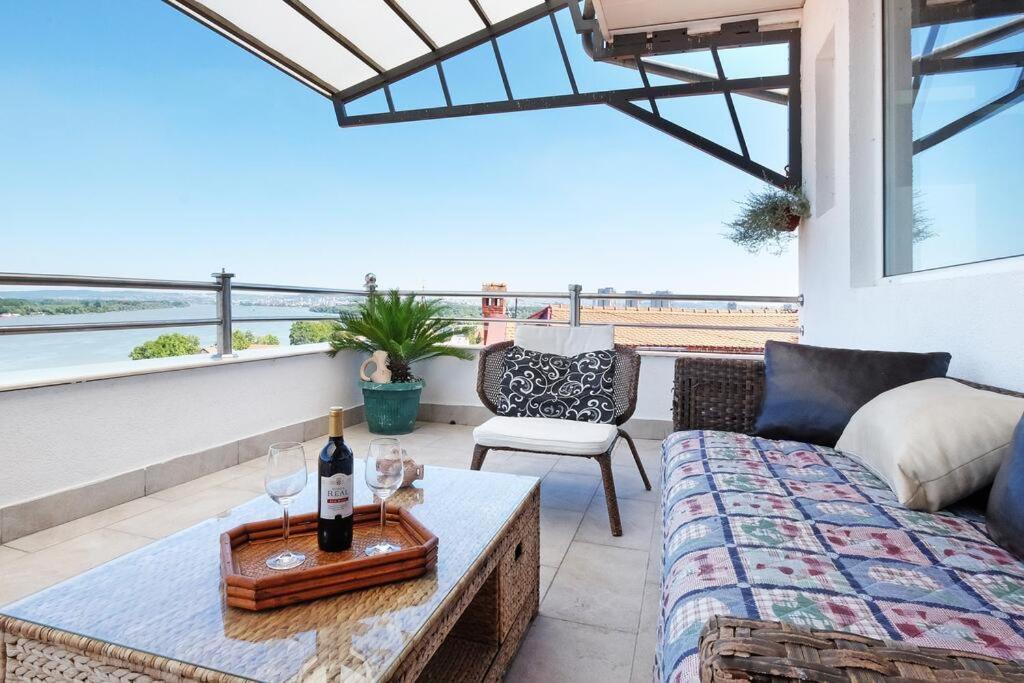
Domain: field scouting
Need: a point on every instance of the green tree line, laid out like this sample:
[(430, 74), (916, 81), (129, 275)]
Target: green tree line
[(65, 307), (177, 344)]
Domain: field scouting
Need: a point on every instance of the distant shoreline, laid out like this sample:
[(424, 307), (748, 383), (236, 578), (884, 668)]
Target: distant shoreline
[(10, 307)]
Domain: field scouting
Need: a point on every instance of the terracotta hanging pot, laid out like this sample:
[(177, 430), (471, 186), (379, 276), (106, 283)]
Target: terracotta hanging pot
[(792, 223)]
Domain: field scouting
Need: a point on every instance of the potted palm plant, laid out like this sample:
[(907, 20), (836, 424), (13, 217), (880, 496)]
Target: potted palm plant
[(768, 218), (407, 329)]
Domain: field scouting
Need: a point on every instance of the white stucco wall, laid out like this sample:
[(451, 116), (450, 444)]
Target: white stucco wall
[(58, 437), (976, 312)]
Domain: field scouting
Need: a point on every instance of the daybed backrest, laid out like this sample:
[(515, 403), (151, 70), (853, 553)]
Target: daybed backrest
[(627, 377), (725, 393)]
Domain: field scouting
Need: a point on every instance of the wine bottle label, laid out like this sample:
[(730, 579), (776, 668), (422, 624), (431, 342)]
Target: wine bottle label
[(336, 496)]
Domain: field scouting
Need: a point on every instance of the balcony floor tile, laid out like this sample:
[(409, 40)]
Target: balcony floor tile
[(568, 652), (598, 585), (35, 571), (72, 530)]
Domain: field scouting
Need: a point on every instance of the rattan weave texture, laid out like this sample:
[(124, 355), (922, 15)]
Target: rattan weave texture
[(724, 394), (734, 649)]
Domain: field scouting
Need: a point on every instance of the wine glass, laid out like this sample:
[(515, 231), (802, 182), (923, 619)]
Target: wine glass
[(285, 477), (384, 474)]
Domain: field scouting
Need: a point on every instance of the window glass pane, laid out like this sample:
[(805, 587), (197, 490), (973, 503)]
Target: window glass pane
[(954, 133)]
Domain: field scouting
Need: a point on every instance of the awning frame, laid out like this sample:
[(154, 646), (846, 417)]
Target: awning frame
[(628, 50), (631, 51)]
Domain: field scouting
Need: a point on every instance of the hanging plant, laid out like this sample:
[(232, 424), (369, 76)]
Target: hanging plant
[(768, 218)]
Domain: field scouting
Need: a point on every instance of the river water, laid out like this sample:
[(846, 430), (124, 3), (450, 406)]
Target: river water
[(32, 351)]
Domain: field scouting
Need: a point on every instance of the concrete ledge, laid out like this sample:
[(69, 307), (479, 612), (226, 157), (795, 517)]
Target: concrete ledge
[(459, 415), (48, 377), (22, 519)]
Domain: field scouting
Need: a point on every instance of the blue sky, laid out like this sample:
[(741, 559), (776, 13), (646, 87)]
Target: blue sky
[(135, 142), (969, 185)]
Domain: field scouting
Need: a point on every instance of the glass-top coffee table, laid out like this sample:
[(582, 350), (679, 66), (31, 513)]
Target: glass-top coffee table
[(160, 611)]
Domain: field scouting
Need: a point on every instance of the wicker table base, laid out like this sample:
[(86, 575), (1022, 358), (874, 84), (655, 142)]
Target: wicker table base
[(472, 635)]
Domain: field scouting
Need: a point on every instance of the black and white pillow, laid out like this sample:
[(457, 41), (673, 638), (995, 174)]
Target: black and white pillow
[(580, 387)]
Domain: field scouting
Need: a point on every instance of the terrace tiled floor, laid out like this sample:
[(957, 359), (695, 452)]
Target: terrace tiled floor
[(599, 594)]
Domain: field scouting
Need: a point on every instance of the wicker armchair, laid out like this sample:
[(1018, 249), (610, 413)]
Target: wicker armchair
[(627, 377)]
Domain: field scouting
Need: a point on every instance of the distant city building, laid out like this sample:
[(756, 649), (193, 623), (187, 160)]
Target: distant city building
[(633, 303), (493, 307), (605, 303), (661, 303)]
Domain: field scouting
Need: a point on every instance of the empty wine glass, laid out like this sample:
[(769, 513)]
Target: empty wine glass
[(384, 472), (285, 477)]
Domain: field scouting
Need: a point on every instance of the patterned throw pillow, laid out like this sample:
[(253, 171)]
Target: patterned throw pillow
[(580, 387)]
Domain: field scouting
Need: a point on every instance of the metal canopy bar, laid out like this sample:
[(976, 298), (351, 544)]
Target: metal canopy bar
[(556, 101), (729, 103), (438, 54), (979, 39), (666, 70), (929, 47), (411, 23), (250, 44), (713, 148), (966, 121), (647, 86), (565, 55), (444, 84), (1004, 60), (925, 13), (480, 13), (315, 19), (795, 169)]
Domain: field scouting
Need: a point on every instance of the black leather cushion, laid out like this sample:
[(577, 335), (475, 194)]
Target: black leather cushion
[(580, 387), (811, 392), (1005, 515)]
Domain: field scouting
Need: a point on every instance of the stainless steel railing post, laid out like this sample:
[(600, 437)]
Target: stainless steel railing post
[(224, 330), (574, 305)]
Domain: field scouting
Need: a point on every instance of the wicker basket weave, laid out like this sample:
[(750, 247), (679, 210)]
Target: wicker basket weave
[(734, 649)]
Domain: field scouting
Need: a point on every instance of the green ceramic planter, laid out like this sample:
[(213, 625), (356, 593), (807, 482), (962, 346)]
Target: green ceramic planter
[(391, 408)]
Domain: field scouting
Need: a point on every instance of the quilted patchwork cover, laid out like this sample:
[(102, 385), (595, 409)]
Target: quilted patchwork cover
[(793, 532)]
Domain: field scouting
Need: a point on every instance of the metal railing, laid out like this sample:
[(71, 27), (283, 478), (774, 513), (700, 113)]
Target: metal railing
[(224, 288)]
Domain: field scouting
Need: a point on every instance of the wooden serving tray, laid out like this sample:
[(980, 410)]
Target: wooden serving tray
[(251, 585)]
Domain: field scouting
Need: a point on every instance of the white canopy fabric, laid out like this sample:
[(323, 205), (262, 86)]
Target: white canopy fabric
[(336, 46)]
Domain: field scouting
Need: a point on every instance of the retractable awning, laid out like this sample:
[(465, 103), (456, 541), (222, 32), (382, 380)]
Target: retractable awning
[(347, 49), (340, 48)]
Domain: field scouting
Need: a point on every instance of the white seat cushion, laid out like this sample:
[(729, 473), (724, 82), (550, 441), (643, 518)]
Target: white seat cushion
[(547, 435), (565, 341)]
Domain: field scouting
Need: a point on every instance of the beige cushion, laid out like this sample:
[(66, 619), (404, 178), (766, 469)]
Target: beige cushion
[(934, 441), (546, 435), (564, 340)]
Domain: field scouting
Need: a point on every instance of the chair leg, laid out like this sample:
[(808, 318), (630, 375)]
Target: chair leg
[(605, 461), (636, 457), (479, 453)]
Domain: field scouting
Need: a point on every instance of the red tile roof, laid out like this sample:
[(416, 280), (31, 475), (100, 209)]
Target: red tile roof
[(717, 341)]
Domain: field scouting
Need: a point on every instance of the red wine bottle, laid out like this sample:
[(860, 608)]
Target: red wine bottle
[(334, 526)]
